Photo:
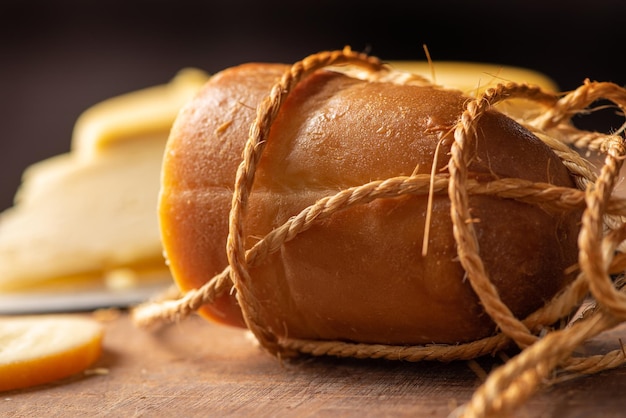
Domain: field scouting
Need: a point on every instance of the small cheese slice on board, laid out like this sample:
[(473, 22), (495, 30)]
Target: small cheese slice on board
[(40, 349)]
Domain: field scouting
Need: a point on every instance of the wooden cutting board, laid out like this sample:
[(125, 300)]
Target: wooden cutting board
[(198, 369)]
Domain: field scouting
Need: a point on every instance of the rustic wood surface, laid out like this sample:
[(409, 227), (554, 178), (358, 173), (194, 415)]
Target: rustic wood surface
[(196, 368)]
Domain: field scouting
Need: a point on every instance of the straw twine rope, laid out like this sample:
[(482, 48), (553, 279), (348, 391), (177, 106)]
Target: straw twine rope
[(543, 353)]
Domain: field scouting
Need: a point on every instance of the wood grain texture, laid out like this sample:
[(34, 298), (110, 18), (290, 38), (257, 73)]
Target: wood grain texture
[(199, 369)]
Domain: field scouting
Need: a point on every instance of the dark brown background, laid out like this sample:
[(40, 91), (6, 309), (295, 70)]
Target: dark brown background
[(59, 57)]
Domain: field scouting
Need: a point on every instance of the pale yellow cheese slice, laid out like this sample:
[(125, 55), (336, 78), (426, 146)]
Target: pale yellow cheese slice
[(80, 217), (89, 217), (134, 115)]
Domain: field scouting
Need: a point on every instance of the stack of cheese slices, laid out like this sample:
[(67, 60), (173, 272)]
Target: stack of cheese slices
[(87, 218)]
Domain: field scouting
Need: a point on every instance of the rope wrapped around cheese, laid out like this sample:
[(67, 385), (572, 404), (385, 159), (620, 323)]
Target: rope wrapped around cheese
[(340, 207), (365, 273)]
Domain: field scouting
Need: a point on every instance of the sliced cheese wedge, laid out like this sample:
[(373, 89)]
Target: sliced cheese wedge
[(80, 217), (40, 349)]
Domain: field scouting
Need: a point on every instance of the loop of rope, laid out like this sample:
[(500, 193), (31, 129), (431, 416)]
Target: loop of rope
[(591, 257), (602, 233), (463, 228), (514, 382), (259, 133), (517, 379)]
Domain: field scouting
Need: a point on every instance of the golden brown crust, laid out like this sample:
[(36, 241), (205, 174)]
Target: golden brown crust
[(199, 167), (360, 274)]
